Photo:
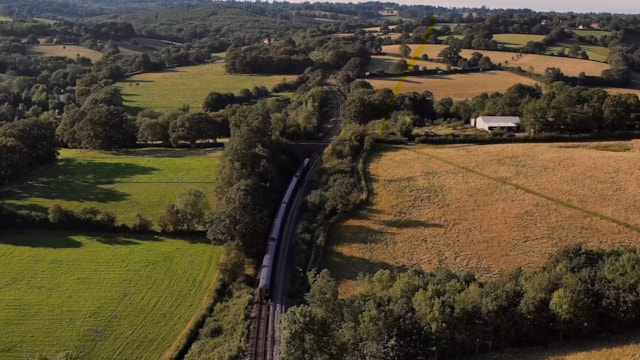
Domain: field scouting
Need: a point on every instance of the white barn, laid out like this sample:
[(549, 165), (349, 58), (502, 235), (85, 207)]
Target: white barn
[(507, 123)]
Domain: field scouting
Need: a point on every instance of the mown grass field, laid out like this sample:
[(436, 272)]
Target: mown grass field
[(538, 63), (489, 208), (104, 298), (456, 86), (516, 40), (169, 90), (596, 33), (70, 51), (141, 181), (596, 53)]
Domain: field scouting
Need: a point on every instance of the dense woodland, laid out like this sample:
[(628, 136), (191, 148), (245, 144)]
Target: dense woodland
[(412, 314), (51, 102)]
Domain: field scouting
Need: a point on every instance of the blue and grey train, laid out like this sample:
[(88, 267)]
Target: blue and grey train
[(270, 256)]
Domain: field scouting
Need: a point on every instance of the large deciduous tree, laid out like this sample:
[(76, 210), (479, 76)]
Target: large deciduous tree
[(189, 128), (99, 127), (451, 55)]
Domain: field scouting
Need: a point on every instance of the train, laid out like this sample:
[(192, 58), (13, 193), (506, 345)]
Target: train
[(275, 236)]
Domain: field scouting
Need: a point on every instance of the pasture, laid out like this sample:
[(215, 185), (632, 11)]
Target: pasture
[(141, 181), (516, 40), (537, 63), (101, 297), (596, 33), (70, 51), (456, 86), (596, 53), (489, 209), (169, 90)]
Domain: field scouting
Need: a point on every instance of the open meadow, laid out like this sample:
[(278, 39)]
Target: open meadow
[(169, 90), (101, 297), (456, 86), (516, 40), (538, 63), (489, 208), (70, 51), (141, 181)]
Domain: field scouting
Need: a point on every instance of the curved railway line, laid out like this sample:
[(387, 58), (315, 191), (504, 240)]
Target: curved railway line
[(270, 300)]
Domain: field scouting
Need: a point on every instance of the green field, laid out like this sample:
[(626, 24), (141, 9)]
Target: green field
[(439, 26), (516, 40), (141, 181), (5, 18), (104, 298), (596, 53), (44, 20), (70, 51), (169, 90), (596, 33)]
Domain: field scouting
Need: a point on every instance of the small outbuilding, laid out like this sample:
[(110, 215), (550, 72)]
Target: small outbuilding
[(489, 123)]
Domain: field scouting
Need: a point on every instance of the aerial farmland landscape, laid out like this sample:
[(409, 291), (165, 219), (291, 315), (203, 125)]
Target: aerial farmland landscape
[(312, 180)]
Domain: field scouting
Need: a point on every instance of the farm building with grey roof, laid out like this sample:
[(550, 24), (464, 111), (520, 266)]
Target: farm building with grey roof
[(508, 123)]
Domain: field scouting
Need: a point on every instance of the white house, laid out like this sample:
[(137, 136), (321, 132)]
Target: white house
[(507, 123)]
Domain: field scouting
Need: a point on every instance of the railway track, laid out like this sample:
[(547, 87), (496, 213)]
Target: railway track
[(264, 333), (261, 339)]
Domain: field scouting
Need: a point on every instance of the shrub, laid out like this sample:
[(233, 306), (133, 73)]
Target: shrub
[(141, 223), (57, 214)]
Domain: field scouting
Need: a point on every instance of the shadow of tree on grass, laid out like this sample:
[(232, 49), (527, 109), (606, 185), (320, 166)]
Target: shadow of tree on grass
[(77, 180), (38, 239)]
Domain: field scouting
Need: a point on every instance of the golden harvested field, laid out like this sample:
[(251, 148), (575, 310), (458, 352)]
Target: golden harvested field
[(456, 86), (622, 91), (489, 208), (70, 51), (622, 346), (384, 62), (539, 63)]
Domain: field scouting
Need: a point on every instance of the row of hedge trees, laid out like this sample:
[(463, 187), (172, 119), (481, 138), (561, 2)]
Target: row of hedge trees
[(187, 215)]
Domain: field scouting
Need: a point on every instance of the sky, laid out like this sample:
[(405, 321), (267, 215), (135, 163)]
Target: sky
[(612, 6)]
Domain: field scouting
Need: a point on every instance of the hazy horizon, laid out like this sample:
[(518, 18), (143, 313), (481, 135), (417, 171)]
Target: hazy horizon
[(611, 6)]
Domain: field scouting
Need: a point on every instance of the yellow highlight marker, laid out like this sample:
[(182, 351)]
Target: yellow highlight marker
[(412, 61)]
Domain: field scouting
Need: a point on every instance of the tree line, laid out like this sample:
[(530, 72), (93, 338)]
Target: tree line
[(560, 109), (412, 314)]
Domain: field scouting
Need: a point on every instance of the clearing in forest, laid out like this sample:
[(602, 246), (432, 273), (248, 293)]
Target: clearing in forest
[(489, 208), (141, 181), (111, 297), (171, 89), (456, 86), (70, 51)]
